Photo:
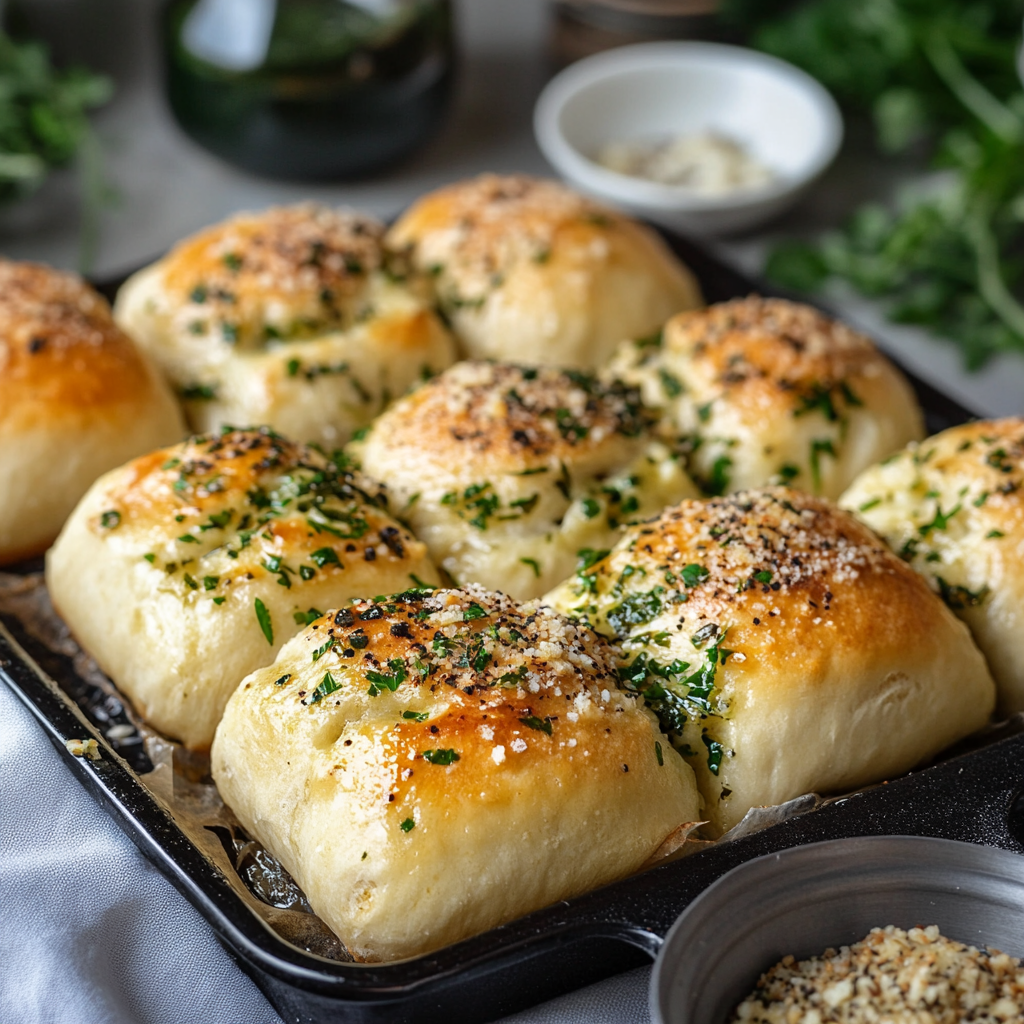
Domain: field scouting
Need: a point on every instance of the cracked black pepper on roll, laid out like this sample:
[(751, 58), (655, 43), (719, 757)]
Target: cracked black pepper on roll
[(783, 645), (202, 559), (433, 764), (505, 472), (953, 507), (527, 270), (295, 317), (763, 391)]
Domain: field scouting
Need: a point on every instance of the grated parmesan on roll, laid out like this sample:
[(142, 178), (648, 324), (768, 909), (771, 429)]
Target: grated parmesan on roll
[(292, 317), (785, 647), (953, 507), (528, 271), (506, 472), (431, 765), (202, 559), (764, 391)]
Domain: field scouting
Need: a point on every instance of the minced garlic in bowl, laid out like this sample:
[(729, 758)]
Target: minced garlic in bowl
[(891, 976)]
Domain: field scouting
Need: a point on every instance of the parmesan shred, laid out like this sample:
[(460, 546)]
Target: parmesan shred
[(891, 976), (706, 163)]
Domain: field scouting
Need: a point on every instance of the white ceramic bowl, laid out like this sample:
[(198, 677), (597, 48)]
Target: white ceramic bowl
[(782, 116)]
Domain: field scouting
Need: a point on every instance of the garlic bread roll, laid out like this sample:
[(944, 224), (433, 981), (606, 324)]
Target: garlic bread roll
[(186, 569), (76, 399), (764, 391), (785, 648), (528, 271), (953, 507), (428, 766), (290, 317), (507, 472)]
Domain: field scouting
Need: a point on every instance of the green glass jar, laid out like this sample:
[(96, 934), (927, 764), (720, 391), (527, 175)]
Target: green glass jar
[(310, 90)]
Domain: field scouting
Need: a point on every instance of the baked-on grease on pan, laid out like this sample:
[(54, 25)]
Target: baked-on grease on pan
[(953, 507), (507, 472), (430, 765), (784, 646), (76, 399), (763, 391), (528, 271), (204, 558), (294, 317)]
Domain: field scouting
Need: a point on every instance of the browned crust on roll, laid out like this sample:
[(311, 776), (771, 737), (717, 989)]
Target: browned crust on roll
[(496, 417), (225, 491), (61, 354), (406, 744), (765, 352), (783, 570), (307, 257), (784, 645), (757, 345), (498, 670), (498, 219), (489, 225)]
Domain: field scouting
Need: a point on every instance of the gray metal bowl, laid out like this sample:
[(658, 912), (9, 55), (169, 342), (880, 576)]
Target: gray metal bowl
[(808, 898)]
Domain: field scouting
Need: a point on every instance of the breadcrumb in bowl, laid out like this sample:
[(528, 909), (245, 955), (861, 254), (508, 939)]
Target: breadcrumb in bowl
[(913, 977), (935, 914)]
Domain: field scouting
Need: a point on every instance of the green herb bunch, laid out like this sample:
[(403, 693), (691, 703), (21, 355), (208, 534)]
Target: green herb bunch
[(937, 78), (43, 120)]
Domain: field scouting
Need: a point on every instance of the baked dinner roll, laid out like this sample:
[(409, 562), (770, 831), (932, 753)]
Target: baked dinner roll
[(76, 398), (766, 391), (784, 647), (527, 270), (506, 472), (428, 766), (953, 507), (289, 317), (202, 559)]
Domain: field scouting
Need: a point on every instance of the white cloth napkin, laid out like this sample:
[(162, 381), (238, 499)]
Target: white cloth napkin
[(91, 931)]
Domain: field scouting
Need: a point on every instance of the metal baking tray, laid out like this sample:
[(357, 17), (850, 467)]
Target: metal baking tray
[(976, 795)]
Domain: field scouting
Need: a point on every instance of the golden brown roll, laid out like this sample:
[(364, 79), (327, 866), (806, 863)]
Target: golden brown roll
[(290, 317), (784, 646), (428, 766), (528, 271), (76, 398), (506, 472), (764, 391), (953, 507), (204, 558)]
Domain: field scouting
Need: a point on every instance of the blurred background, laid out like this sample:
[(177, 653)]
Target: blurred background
[(140, 121)]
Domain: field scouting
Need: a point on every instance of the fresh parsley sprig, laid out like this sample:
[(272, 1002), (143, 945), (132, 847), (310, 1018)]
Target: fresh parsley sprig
[(44, 124), (938, 79)]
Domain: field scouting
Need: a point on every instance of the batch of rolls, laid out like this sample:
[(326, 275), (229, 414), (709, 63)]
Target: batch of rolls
[(479, 604)]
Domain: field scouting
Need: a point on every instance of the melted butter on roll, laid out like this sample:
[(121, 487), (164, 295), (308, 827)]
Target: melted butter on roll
[(293, 317), (764, 391), (784, 646), (431, 765), (953, 507), (204, 558), (507, 472), (76, 399), (529, 271)]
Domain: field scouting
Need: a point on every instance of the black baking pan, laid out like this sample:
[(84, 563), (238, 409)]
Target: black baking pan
[(975, 797)]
